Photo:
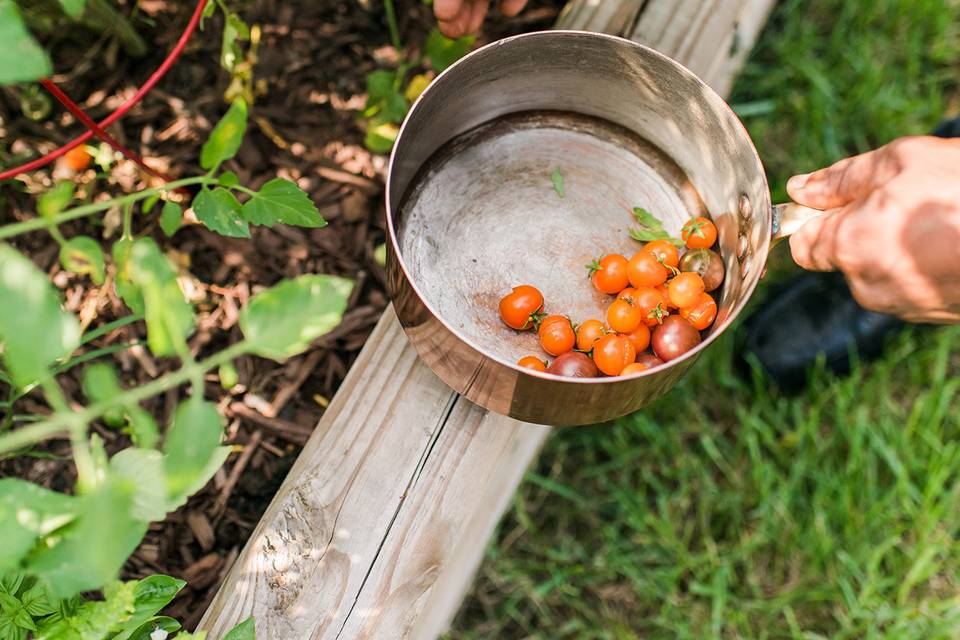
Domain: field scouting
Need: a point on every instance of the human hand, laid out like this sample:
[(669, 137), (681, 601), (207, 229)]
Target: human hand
[(463, 17), (892, 226)]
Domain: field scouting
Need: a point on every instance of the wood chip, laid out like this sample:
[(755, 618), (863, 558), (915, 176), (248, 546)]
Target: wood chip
[(201, 529)]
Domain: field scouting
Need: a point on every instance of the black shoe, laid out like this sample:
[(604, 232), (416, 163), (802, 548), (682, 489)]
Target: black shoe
[(947, 129)]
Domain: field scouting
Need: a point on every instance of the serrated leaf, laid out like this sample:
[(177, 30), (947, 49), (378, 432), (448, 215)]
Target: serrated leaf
[(73, 8), (557, 178), (56, 199), (226, 137), (38, 332), (90, 551), (168, 315), (146, 629), (443, 51), (97, 619), (281, 201), (128, 291), (381, 137), (243, 631), (171, 218), (83, 255), (283, 320), (650, 228), (219, 211), (100, 382), (192, 441), (144, 469), (21, 58)]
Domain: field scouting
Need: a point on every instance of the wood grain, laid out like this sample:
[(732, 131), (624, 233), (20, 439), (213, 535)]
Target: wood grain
[(381, 523)]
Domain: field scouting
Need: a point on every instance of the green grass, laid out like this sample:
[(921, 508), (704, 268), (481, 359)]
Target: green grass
[(727, 510)]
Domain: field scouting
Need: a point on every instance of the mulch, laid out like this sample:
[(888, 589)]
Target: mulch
[(310, 81)]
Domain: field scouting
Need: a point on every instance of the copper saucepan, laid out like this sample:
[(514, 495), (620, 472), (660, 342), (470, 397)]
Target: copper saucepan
[(471, 209)]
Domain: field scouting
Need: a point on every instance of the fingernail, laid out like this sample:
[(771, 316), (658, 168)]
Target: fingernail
[(797, 182)]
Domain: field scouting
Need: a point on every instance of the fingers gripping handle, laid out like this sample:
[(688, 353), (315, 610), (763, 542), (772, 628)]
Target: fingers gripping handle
[(788, 218)]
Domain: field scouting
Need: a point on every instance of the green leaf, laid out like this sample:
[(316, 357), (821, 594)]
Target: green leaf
[(128, 291), (21, 58), (37, 601), (34, 330), (100, 382), (144, 469), (142, 428), (98, 619), (226, 137), (380, 84), (384, 98), (24, 620), (557, 178), (228, 179), (10, 630), (89, 552), (219, 211), (443, 51), (380, 255), (52, 202), (281, 201), (27, 513), (150, 203), (246, 630), (228, 376), (650, 228), (73, 8), (82, 255), (192, 441), (144, 631), (283, 320), (168, 315), (234, 29), (10, 604), (381, 137), (170, 218), (10, 582)]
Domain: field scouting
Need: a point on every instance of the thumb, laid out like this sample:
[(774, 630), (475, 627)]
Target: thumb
[(841, 183)]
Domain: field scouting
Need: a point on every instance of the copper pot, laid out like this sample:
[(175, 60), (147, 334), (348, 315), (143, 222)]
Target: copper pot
[(472, 211)]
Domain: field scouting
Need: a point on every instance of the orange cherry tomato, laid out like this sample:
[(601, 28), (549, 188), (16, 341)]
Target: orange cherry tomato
[(520, 309), (623, 317), (77, 158), (702, 313), (557, 337), (685, 289), (546, 321), (639, 337), (652, 305), (609, 273), (665, 252), (612, 353), (644, 270), (632, 368), (627, 294), (664, 290), (532, 362), (699, 233), (588, 333)]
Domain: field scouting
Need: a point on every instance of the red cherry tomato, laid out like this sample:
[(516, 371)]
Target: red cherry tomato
[(685, 289), (699, 233), (665, 252), (77, 158), (573, 365), (588, 333), (644, 270), (609, 273), (652, 305), (612, 353), (532, 362), (640, 337), (702, 313), (557, 336), (623, 317), (674, 338), (521, 308)]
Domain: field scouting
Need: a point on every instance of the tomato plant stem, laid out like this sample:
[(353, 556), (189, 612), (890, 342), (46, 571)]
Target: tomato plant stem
[(34, 224), (392, 23), (64, 420), (104, 329)]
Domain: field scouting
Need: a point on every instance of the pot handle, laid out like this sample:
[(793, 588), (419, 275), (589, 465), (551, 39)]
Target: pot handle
[(788, 218)]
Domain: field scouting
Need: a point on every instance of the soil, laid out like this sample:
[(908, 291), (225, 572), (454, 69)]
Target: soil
[(310, 82)]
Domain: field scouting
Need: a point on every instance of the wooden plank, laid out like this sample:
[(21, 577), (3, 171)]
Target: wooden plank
[(379, 526)]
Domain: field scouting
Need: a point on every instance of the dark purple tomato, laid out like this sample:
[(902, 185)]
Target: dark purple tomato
[(649, 361), (573, 364), (673, 338), (707, 263)]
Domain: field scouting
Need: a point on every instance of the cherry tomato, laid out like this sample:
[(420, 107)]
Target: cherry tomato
[(674, 338), (532, 362), (609, 273), (640, 337), (648, 361), (707, 263), (652, 305), (546, 321), (702, 313), (77, 158), (644, 270), (573, 365), (632, 368), (612, 353), (664, 251), (627, 294), (588, 333), (699, 233), (520, 309), (664, 290), (685, 289), (623, 317), (556, 336)]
